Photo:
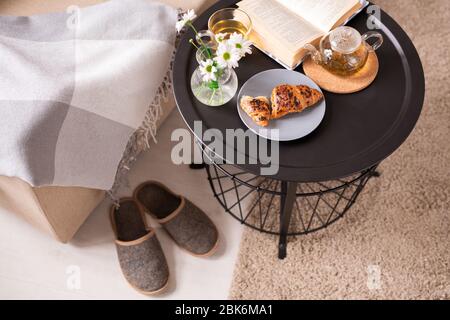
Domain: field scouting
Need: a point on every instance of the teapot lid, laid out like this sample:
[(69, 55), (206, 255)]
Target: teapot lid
[(345, 40)]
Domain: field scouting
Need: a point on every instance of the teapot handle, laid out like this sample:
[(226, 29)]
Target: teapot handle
[(373, 34)]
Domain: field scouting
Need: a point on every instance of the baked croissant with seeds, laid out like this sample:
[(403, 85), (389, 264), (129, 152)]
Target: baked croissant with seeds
[(285, 98), (288, 99), (258, 109)]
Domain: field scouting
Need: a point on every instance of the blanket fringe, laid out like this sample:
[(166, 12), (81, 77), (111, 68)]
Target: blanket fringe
[(140, 140)]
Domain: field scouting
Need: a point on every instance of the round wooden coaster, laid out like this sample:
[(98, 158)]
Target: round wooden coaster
[(343, 84)]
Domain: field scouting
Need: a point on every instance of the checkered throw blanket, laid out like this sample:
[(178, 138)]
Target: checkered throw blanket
[(81, 89)]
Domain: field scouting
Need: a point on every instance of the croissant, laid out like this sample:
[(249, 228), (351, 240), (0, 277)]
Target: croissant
[(288, 99), (258, 109), (285, 98)]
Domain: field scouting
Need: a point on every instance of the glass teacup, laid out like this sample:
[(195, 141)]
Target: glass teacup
[(225, 21)]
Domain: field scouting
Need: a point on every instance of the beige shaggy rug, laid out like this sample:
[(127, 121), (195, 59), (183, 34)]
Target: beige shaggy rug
[(395, 242)]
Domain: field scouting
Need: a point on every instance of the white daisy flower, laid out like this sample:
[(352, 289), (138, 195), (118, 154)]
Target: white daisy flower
[(189, 16), (227, 56), (208, 70), (242, 45), (221, 37)]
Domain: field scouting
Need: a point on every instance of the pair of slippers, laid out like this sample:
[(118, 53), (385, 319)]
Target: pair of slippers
[(141, 257)]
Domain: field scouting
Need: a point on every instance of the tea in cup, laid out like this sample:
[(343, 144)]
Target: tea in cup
[(226, 21)]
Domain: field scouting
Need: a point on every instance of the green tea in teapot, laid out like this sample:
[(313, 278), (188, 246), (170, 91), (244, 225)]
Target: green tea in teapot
[(347, 63), (344, 51)]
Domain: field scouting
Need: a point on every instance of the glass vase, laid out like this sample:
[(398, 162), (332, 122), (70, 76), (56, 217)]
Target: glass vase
[(215, 94)]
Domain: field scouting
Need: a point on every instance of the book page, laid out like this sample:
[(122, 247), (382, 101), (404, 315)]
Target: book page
[(323, 14), (273, 20)]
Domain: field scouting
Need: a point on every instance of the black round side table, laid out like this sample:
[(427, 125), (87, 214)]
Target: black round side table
[(321, 175)]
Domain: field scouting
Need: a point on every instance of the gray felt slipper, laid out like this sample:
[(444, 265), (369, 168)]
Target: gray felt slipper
[(188, 225), (140, 254)]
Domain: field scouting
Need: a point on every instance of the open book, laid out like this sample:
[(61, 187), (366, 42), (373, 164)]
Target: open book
[(282, 27)]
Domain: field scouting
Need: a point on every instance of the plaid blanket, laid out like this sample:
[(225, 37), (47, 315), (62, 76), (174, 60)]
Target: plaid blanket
[(80, 89)]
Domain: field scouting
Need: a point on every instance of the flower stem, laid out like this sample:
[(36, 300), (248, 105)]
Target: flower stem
[(189, 23), (192, 26), (212, 96), (202, 50), (193, 43)]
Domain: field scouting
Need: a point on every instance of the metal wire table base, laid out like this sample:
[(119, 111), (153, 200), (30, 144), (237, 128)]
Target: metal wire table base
[(284, 208)]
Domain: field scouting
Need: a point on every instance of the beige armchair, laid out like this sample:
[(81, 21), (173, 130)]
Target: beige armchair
[(60, 211)]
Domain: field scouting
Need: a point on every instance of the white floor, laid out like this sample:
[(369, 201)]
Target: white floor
[(34, 266)]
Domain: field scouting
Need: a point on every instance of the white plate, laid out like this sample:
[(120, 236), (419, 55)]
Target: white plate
[(290, 127)]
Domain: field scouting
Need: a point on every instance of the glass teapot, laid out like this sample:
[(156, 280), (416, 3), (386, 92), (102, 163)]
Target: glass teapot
[(344, 51)]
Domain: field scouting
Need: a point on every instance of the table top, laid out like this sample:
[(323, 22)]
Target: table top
[(359, 130)]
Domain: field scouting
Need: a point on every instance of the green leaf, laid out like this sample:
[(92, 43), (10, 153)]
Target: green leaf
[(213, 85)]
